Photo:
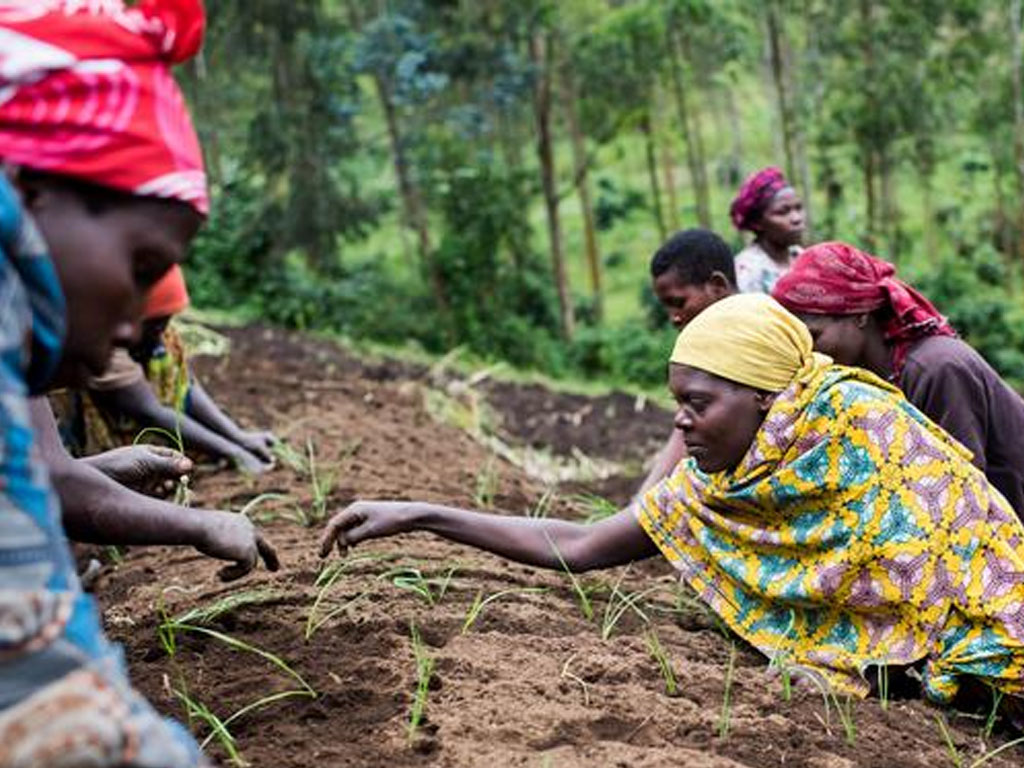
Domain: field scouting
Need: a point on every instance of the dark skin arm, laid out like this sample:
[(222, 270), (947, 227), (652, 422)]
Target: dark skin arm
[(203, 409), (138, 401), (618, 540), (95, 509)]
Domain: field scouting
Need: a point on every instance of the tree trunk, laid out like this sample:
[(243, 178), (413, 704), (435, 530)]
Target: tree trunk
[(580, 170), (540, 57), (652, 174), (776, 46), (694, 161), (1018, 122), (669, 175)]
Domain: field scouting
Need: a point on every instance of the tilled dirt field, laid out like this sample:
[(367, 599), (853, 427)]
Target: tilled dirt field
[(532, 682)]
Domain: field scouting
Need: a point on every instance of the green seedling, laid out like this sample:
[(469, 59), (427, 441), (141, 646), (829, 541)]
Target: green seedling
[(432, 590), (997, 751), (165, 630), (659, 655), (325, 582), (947, 737), (291, 458), (542, 508), (424, 673), (586, 606), (594, 508), (241, 645), (480, 602), (725, 718), (883, 685), (993, 713), (256, 501), (198, 711), (205, 615), (845, 710), (780, 660), (182, 492), (486, 485), (620, 602), (321, 487)]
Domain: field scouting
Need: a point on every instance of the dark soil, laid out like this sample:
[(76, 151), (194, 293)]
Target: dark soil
[(532, 682)]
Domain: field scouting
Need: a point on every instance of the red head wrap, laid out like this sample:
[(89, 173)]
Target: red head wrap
[(838, 279), (86, 91), (168, 296), (755, 195)]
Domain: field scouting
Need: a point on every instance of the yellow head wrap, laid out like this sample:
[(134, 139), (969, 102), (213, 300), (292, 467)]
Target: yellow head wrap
[(750, 339)]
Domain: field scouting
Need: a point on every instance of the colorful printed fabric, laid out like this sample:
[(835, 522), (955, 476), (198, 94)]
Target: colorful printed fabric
[(55, 662), (754, 196), (86, 91), (855, 532), (757, 272), (749, 339), (837, 279)]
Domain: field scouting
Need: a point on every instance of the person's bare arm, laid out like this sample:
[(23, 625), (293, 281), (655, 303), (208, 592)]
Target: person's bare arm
[(138, 401), (95, 509), (618, 540), (671, 454), (205, 410)]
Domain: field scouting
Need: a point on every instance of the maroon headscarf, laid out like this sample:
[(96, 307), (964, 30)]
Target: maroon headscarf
[(837, 279), (755, 195)]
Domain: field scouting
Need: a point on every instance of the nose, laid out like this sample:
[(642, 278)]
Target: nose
[(682, 420)]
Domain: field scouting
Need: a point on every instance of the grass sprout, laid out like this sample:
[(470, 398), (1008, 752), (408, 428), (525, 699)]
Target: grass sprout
[(845, 710), (659, 655), (424, 674), (256, 501), (725, 717), (196, 710), (431, 589), (486, 485), (325, 581), (947, 737), (543, 506), (594, 508), (998, 750), (182, 492), (620, 602), (993, 714), (586, 606), (290, 457), (207, 614), (480, 602), (241, 645)]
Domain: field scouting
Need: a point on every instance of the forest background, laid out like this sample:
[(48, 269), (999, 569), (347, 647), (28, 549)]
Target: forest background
[(495, 175)]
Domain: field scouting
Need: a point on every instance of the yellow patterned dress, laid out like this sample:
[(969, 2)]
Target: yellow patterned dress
[(855, 532)]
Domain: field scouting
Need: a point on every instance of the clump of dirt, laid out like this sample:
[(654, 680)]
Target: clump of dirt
[(531, 682)]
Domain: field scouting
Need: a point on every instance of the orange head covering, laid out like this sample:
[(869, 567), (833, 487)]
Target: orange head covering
[(168, 296)]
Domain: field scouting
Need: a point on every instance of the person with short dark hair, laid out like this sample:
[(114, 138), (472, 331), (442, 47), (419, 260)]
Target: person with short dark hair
[(769, 207), (690, 271), (860, 313)]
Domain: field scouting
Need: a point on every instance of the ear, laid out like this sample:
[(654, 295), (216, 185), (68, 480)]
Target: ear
[(861, 320), (718, 285)]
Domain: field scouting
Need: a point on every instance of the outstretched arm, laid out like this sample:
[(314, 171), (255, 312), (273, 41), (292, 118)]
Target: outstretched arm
[(618, 540), (98, 510), (205, 410), (138, 401)]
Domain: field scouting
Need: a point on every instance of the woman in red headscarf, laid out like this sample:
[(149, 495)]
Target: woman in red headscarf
[(769, 207), (860, 313)]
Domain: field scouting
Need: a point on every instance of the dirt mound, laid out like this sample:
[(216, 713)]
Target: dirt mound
[(531, 682)]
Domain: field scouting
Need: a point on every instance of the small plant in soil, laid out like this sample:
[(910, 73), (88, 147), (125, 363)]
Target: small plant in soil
[(431, 589), (205, 615), (182, 492), (542, 508), (725, 717), (486, 486), (660, 657), (619, 602), (424, 674), (947, 737), (196, 710), (582, 594), (993, 713), (480, 602), (568, 675), (325, 581), (594, 508), (845, 710)]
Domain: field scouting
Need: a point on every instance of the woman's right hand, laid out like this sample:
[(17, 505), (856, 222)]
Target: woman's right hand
[(364, 520)]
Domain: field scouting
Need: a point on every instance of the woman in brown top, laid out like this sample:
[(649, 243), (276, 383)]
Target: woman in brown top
[(859, 313)]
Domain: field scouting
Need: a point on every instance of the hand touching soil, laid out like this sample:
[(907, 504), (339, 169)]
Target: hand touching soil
[(230, 536)]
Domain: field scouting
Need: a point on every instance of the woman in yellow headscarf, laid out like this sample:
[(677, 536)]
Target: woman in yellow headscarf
[(824, 518)]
